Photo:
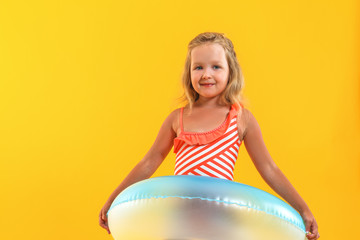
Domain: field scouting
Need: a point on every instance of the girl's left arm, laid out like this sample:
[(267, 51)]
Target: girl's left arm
[(272, 175)]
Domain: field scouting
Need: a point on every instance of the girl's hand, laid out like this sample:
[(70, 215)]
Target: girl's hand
[(310, 226), (103, 221)]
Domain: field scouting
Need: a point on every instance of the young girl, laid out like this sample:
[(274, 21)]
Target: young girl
[(213, 116)]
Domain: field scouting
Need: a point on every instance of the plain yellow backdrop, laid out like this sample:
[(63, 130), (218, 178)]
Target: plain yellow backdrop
[(86, 85)]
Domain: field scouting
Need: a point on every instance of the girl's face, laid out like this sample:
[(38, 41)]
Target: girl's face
[(209, 70)]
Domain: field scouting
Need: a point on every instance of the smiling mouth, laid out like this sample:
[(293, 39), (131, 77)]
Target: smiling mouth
[(207, 84)]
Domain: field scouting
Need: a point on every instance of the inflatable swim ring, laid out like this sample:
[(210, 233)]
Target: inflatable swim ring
[(185, 207)]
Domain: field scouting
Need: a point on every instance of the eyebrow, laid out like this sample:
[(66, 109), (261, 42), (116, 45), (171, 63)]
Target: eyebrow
[(197, 63)]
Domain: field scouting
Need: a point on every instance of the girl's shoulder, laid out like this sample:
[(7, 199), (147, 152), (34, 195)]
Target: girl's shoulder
[(248, 122), (244, 115), (243, 119), (174, 117)]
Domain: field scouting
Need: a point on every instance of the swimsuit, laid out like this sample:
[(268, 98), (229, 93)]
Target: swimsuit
[(211, 153)]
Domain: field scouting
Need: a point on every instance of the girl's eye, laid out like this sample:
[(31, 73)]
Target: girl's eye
[(197, 68)]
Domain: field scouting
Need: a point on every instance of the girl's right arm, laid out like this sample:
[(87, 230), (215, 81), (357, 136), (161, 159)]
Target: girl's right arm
[(147, 166)]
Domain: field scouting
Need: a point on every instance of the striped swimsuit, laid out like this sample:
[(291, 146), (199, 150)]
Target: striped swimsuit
[(211, 153)]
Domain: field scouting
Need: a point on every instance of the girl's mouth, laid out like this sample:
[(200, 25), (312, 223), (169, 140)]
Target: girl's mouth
[(207, 85)]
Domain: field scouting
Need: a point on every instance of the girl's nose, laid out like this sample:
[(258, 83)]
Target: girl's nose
[(206, 74)]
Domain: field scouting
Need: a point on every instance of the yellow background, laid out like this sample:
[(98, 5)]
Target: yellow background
[(86, 85)]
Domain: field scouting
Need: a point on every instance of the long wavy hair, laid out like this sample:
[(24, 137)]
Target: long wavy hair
[(232, 93)]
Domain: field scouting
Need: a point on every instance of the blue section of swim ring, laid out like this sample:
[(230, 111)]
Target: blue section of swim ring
[(210, 189)]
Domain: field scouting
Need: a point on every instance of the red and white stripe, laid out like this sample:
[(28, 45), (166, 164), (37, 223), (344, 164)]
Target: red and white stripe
[(215, 159)]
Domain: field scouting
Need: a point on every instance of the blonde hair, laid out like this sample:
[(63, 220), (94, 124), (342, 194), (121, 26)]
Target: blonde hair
[(232, 93)]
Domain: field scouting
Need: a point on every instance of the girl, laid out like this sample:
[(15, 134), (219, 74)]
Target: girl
[(212, 81)]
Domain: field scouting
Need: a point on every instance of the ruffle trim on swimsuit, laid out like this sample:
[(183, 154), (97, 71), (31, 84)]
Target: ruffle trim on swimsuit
[(200, 138)]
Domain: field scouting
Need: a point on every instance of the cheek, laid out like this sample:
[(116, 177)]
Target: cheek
[(195, 77), (194, 73), (192, 79), (222, 76)]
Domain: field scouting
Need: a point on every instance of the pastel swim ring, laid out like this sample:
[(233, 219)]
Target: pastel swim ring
[(185, 207)]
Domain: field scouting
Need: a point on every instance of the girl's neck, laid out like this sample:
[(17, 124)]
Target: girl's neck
[(208, 102)]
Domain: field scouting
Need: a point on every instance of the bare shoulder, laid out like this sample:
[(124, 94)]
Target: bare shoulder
[(251, 125), (164, 139), (173, 119), (244, 119)]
